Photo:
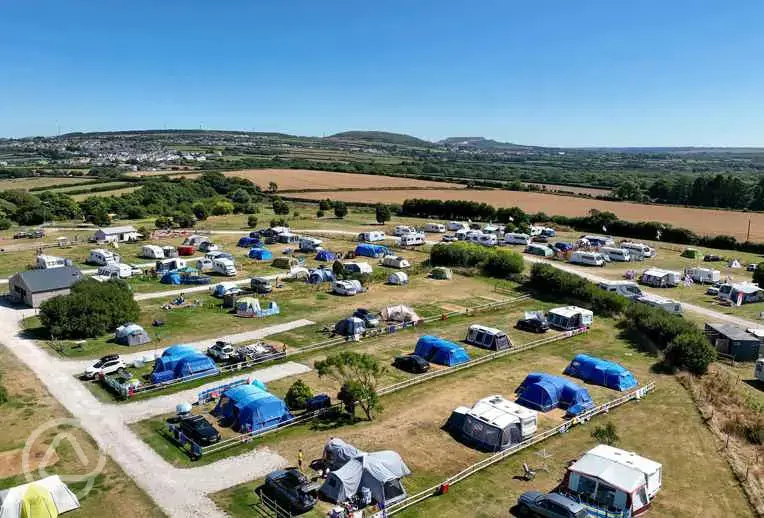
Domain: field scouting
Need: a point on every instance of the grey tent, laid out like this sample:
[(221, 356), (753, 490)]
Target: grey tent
[(337, 453), (131, 334), (399, 313), (379, 472), (351, 326)]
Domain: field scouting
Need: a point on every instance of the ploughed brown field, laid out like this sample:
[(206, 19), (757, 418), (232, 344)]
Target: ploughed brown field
[(702, 221), (290, 179)]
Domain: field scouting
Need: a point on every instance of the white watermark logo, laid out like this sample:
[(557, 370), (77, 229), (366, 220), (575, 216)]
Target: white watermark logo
[(63, 429)]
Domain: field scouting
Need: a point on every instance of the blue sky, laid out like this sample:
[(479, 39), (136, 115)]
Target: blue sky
[(587, 73)]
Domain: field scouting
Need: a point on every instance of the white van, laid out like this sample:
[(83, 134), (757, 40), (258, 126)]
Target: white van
[(669, 305), (357, 267), (628, 289), (152, 252), (514, 238), (639, 251), (394, 261), (587, 258), (371, 237), (488, 240), (435, 227), (457, 225), (616, 254), (101, 257), (46, 262), (412, 239), (401, 230), (224, 266)]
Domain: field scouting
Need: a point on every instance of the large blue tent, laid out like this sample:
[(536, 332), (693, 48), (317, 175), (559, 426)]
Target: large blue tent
[(182, 361), (370, 250), (544, 392), (325, 256), (171, 277), (440, 351), (601, 372), (261, 254), (250, 408), (246, 241)]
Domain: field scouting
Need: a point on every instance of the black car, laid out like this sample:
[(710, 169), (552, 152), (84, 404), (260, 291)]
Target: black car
[(711, 258), (540, 239), (411, 363), (199, 430), (289, 488), (534, 325)]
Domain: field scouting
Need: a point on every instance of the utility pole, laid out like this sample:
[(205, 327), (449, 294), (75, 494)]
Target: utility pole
[(748, 235)]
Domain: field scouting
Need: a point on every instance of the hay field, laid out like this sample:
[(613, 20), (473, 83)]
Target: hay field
[(589, 191), (702, 221), (115, 192), (45, 181), (290, 179)]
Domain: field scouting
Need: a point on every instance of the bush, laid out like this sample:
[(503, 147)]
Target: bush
[(503, 263), (298, 395), (279, 222), (690, 351), (319, 213), (252, 221), (325, 205), (758, 274), (163, 222), (548, 279), (92, 309), (606, 434), (184, 220), (200, 211), (340, 209), (5, 223), (280, 207), (221, 208), (494, 262)]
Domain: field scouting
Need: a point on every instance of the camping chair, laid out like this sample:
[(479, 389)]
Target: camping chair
[(528, 473)]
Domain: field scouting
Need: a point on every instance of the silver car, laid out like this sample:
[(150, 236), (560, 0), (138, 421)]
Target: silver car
[(549, 505)]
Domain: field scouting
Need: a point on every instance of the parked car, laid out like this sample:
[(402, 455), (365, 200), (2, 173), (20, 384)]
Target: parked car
[(550, 505), (106, 365), (563, 246), (222, 351), (541, 238), (751, 267), (289, 488), (534, 325), (712, 258), (370, 319), (449, 239), (21, 235), (712, 290), (199, 430), (261, 285), (411, 363)]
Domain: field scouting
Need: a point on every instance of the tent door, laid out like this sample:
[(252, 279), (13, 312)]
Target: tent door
[(393, 490)]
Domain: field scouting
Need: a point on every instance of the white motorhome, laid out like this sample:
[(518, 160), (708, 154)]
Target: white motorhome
[(457, 225), (461, 234), (357, 267), (412, 239), (628, 289), (395, 261), (704, 275), (616, 254), (536, 231), (587, 258), (46, 262), (152, 252), (435, 228), (114, 270), (224, 266), (372, 236), (595, 240), (493, 229), (310, 244), (101, 257), (347, 287), (401, 230), (638, 251), (473, 235), (514, 238), (488, 240), (656, 301)]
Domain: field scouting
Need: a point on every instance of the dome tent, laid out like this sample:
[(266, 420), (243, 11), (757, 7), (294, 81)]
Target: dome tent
[(381, 472), (398, 279), (45, 498), (260, 254), (250, 407), (319, 275), (182, 361), (325, 256), (131, 334), (370, 250), (600, 372), (440, 351), (544, 392), (250, 307)]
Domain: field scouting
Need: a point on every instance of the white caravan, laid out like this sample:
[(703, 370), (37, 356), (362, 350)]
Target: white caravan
[(116, 270), (628, 289), (639, 251), (46, 262), (656, 301), (704, 275), (758, 371), (437, 228), (616, 254), (371, 237), (514, 238), (401, 230), (357, 267), (310, 244), (587, 258), (101, 257), (224, 266), (394, 261), (488, 240), (347, 287), (412, 239), (457, 225), (152, 252)]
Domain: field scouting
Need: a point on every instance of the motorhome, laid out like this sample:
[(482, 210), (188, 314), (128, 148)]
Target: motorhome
[(473, 235), (493, 229), (395, 261), (401, 230), (488, 240), (587, 258), (46, 262), (656, 301), (412, 239), (457, 225), (616, 254), (310, 244), (628, 289), (371, 237), (461, 234), (195, 240), (703, 275), (101, 257), (513, 238), (540, 250), (357, 267), (638, 251), (224, 266), (152, 252), (435, 228)]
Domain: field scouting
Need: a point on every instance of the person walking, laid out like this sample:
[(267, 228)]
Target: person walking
[(300, 459)]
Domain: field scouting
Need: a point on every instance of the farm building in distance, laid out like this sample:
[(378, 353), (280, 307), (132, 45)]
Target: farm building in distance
[(734, 341), (116, 234), (33, 287)]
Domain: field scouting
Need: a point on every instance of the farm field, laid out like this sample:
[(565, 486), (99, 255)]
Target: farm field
[(589, 191), (115, 192), (114, 185), (291, 179), (702, 221), (30, 183), (30, 406)]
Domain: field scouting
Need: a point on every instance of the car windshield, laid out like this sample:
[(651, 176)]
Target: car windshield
[(98, 364)]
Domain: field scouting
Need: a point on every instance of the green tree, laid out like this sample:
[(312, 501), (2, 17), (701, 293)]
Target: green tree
[(5, 223), (359, 374), (319, 213), (221, 208), (340, 209), (298, 395), (325, 205), (382, 213), (184, 220), (252, 221), (280, 207), (241, 196), (273, 187), (691, 351), (201, 211), (163, 222), (606, 434)]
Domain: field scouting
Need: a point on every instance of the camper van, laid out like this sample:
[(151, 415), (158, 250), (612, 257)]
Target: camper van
[(703, 275), (628, 289), (357, 267), (587, 258), (453, 226), (401, 230), (152, 252), (435, 228), (639, 251), (101, 257), (116, 270), (540, 250), (570, 317), (395, 262), (488, 240), (224, 266), (412, 239), (46, 262), (513, 238), (616, 254), (310, 244), (656, 301), (371, 237)]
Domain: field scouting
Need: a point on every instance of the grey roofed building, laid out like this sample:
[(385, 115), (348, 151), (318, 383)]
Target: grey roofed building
[(33, 287), (734, 341), (123, 233)]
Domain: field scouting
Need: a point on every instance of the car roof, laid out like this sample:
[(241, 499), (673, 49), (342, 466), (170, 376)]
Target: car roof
[(564, 501)]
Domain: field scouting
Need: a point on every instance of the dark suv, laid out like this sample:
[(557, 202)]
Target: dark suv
[(411, 363), (199, 430), (289, 488), (534, 325)]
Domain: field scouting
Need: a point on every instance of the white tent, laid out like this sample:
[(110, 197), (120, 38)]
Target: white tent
[(14, 500), (398, 278), (379, 472), (735, 264), (399, 313)]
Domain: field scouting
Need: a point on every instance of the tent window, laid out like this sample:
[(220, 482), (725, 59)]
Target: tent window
[(605, 496), (480, 337), (586, 485), (393, 489)]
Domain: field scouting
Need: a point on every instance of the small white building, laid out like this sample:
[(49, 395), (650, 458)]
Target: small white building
[(116, 234)]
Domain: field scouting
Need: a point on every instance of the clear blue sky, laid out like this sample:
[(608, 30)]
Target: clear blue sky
[(565, 73)]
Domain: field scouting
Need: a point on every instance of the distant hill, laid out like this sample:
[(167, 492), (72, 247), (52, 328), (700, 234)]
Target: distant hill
[(381, 137), (482, 143)]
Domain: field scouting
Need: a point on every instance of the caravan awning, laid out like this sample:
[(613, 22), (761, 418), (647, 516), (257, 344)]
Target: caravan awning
[(610, 472)]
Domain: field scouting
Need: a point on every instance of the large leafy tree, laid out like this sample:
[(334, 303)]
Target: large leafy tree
[(359, 374)]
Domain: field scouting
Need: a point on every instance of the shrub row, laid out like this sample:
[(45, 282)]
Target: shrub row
[(548, 279), (494, 262)]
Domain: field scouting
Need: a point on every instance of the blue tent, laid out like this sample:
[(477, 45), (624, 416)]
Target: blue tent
[(370, 250), (182, 362), (172, 355), (601, 372), (261, 254), (325, 256), (440, 351), (171, 277), (250, 408), (544, 392), (246, 241), (320, 275)]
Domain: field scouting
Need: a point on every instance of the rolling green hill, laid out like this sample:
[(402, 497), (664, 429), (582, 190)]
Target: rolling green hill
[(381, 137)]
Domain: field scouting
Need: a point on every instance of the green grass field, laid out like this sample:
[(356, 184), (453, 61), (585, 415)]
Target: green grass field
[(45, 181)]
